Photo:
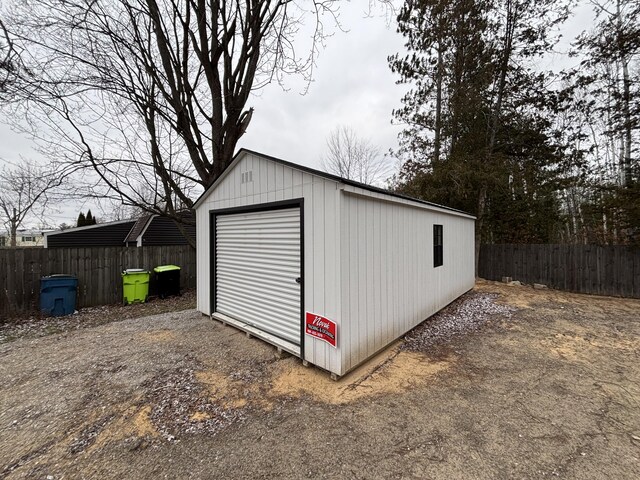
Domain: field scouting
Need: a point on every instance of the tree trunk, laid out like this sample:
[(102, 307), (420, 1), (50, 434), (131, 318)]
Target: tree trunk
[(626, 111), (13, 231), (511, 19), (482, 200), (626, 100), (438, 125)]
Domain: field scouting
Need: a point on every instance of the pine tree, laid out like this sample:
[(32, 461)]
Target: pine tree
[(90, 220), (605, 97), (479, 133), (82, 221), (610, 49)]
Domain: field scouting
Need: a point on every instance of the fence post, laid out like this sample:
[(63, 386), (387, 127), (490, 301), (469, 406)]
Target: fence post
[(97, 268)]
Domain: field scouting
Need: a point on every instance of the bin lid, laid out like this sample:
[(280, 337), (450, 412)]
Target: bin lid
[(59, 275), (135, 270), (166, 268)]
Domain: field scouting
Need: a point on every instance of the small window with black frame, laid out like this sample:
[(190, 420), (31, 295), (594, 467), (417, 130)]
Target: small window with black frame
[(437, 245)]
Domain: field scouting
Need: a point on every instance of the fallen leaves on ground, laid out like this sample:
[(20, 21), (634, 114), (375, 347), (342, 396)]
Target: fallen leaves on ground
[(181, 405), (38, 326)]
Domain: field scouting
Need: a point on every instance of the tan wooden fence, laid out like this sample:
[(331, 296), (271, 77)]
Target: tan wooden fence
[(98, 270), (602, 270)]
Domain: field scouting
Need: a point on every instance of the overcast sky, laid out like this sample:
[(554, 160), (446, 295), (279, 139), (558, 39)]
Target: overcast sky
[(352, 86)]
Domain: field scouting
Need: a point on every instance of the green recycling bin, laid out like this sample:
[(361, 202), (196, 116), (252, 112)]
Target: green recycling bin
[(135, 286)]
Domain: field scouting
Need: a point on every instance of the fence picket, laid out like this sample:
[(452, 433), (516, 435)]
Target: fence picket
[(98, 270), (600, 270)]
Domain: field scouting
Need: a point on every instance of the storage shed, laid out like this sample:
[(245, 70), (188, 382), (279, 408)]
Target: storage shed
[(326, 268)]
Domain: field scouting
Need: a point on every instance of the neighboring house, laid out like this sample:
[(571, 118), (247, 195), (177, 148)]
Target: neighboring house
[(24, 238), (147, 230)]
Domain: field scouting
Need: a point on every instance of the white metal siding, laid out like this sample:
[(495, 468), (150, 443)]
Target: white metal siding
[(389, 283), (257, 264), (275, 182)]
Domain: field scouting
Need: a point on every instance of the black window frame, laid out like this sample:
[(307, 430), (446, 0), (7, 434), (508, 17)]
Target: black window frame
[(438, 245)]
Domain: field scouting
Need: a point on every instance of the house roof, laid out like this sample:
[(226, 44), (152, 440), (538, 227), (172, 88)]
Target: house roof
[(154, 229), (25, 231), (138, 228), (88, 227), (102, 234), (346, 181)]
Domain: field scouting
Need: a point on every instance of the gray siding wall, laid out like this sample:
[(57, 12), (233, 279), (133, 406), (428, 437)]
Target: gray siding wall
[(389, 283), (164, 231), (275, 182)]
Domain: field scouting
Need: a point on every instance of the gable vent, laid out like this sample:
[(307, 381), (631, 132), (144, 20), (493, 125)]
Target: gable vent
[(246, 177)]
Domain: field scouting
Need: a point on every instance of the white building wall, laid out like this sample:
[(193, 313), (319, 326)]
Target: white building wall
[(368, 261), (37, 239), (389, 283), (271, 182)]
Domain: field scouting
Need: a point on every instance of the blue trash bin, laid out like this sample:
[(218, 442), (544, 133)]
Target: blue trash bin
[(58, 295)]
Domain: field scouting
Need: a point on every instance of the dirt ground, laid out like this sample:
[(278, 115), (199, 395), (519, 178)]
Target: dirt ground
[(550, 390), (37, 325)]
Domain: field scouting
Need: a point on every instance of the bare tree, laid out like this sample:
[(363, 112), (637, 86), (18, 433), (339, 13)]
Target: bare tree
[(11, 67), (349, 156), (26, 190), (7, 57), (153, 93)]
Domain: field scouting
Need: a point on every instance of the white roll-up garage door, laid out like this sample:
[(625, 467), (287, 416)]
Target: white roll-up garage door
[(258, 270)]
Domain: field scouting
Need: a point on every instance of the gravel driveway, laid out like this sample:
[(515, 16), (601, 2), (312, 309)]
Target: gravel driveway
[(534, 384)]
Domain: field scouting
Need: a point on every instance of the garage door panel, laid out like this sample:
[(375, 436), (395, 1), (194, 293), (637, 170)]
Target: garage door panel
[(266, 216), (270, 297), (273, 286), (268, 268), (281, 325), (257, 263), (276, 322), (277, 312), (271, 249)]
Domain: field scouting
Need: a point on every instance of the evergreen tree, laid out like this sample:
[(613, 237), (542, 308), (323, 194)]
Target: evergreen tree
[(480, 133), (82, 221), (605, 98), (610, 50), (90, 220)]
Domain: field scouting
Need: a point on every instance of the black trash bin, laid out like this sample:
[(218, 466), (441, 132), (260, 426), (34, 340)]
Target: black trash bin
[(167, 280)]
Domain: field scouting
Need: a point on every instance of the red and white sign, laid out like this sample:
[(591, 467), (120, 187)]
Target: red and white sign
[(322, 328)]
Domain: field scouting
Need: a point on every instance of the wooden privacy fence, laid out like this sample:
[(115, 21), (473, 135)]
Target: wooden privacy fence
[(98, 270), (601, 270)]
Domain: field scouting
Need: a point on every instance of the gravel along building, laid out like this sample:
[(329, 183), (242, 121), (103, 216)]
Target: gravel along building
[(325, 268)]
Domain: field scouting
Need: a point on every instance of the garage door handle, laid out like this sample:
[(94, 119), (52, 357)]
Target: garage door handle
[(298, 280)]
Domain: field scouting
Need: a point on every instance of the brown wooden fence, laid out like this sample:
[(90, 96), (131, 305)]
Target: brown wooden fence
[(98, 270), (601, 270)]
